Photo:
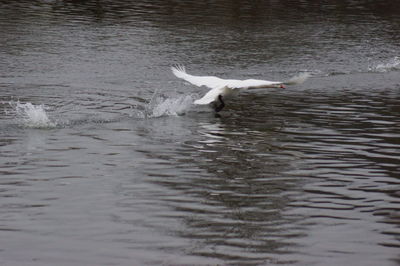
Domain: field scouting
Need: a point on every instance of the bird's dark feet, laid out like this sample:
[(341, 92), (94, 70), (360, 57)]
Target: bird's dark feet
[(216, 115), (221, 106)]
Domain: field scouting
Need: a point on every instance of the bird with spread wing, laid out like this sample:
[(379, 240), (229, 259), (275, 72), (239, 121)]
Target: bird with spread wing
[(222, 89)]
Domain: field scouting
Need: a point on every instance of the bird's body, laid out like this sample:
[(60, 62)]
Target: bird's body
[(222, 89), (212, 95)]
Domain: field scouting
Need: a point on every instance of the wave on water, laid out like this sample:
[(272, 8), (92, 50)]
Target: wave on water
[(168, 106), (29, 115), (392, 64), (32, 116)]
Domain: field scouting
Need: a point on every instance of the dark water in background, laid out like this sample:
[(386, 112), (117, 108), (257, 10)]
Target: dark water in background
[(98, 168)]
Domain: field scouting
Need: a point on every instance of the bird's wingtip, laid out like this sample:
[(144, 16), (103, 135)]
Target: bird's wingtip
[(178, 68)]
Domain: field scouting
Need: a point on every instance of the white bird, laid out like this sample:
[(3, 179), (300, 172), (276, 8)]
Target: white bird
[(222, 89)]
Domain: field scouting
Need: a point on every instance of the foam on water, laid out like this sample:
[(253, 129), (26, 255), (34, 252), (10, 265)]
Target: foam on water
[(392, 64), (169, 106), (32, 116)]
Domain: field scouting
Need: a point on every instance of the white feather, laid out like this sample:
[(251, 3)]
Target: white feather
[(208, 81)]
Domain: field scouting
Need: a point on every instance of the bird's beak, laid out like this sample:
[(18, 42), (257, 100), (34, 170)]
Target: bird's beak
[(282, 86)]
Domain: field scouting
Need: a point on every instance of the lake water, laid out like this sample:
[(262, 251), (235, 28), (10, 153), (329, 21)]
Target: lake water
[(104, 160)]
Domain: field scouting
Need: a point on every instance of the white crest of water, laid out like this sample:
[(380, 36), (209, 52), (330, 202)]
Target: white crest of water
[(392, 64), (169, 106), (33, 116)]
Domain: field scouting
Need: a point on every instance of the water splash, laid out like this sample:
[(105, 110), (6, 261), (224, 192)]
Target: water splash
[(299, 79), (169, 106), (32, 116), (393, 64)]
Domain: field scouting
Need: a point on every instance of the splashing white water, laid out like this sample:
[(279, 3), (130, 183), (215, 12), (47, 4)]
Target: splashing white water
[(32, 116), (393, 64), (165, 106)]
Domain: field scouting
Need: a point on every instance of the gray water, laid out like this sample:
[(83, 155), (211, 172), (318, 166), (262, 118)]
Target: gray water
[(104, 160)]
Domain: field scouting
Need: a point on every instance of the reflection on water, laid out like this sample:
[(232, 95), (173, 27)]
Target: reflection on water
[(128, 171)]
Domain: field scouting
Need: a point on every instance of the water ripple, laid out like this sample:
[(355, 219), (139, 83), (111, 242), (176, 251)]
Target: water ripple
[(133, 173)]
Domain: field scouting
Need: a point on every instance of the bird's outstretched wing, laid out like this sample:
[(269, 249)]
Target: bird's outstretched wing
[(208, 81), (209, 97)]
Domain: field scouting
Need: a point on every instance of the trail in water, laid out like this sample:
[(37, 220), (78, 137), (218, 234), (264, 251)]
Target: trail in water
[(29, 115), (392, 64)]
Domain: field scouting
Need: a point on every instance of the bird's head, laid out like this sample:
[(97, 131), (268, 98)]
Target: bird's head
[(275, 85), (281, 86)]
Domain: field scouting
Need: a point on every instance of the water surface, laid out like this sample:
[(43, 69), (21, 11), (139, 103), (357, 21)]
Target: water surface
[(105, 161)]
